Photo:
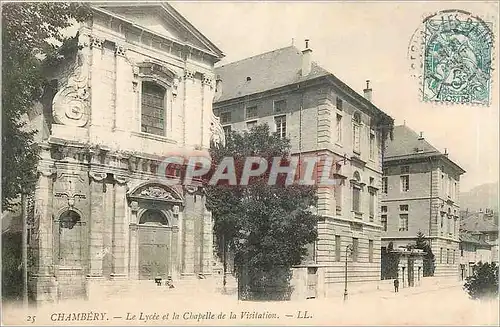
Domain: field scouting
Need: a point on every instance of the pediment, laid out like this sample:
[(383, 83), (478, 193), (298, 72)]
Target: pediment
[(155, 191), (163, 20)]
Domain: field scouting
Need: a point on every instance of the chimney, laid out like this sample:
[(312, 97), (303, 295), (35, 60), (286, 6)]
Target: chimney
[(218, 87), (445, 151), (306, 59), (421, 137), (368, 91)]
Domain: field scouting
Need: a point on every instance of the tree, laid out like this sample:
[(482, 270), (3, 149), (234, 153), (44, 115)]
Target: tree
[(483, 284), (31, 38), (429, 260), (266, 227)]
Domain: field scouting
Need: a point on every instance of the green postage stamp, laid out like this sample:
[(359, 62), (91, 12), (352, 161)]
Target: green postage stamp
[(456, 54)]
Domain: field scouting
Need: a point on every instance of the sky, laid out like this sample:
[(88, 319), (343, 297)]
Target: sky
[(357, 41)]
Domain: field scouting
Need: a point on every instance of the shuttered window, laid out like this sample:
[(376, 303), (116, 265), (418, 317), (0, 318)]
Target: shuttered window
[(153, 109)]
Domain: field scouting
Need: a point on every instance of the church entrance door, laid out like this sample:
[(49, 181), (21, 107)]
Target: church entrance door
[(154, 245)]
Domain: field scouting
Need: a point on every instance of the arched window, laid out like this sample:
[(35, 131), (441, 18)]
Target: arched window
[(153, 217), (70, 239), (356, 126), (153, 117)]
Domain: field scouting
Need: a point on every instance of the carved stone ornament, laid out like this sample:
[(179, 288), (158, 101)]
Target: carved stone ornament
[(96, 42), (46, 172), (191, 189), (71, 104), (217, 135), (175, 85), (121, 179), (134, 206), (157, 192), (120, 49), (207, 79), (98, 177), (189, 73)]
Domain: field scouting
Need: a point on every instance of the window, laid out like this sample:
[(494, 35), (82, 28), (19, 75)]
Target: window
[(338, 199), (440, 255), (461, 250), (403, 207), (355, 242), (384, 185), (227, 130), (405, 183), (225, 117), (279, 106), (153, 109), (372, 205), (339, 103), (280, 122), (447, 255), (251, 112), (403, 222), (251, 124), (356, 193), (370, 250), (443, 183), (337, 248), (405, 169), (383, 221), (372, 145), (383, 209), (356, 127), (453, 257), (338, 128)]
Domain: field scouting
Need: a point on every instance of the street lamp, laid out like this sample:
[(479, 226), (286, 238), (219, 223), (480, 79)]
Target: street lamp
[(347, 249)]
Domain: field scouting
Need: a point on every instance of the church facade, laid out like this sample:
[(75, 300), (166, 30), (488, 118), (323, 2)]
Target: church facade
[(139, 89)]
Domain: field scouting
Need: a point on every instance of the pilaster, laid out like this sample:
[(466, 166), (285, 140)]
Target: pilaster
[(134, 242), (188, 242), (206, 110), (123, 101), (120, 229), (96, 44), (96, 222), (43, 216)]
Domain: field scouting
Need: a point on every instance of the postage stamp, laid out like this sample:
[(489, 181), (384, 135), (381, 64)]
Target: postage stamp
[(457, 49)]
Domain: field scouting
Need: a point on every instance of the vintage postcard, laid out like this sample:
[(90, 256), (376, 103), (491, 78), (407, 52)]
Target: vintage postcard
[(250, 163)]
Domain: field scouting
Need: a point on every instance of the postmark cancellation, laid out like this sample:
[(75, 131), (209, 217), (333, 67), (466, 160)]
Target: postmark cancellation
[(456, 51)]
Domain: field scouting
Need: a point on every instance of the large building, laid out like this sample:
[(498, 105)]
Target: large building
[(420, 191), (473, 249), (324, 118), (483, 226), (139, 89)]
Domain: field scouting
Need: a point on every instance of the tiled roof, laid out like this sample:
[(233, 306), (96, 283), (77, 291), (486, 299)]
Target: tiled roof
[(406, 142), (479, 222), (267, 71), (469, 238)]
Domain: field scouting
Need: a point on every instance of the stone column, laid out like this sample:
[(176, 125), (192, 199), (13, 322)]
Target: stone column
[(134, 243), (96, 222), (120, 230)]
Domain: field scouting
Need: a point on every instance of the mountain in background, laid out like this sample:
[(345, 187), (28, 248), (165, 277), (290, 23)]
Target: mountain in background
[(484, 196)]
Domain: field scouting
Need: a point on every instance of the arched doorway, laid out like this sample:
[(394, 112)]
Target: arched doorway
[(154, 233), (70, 254)]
